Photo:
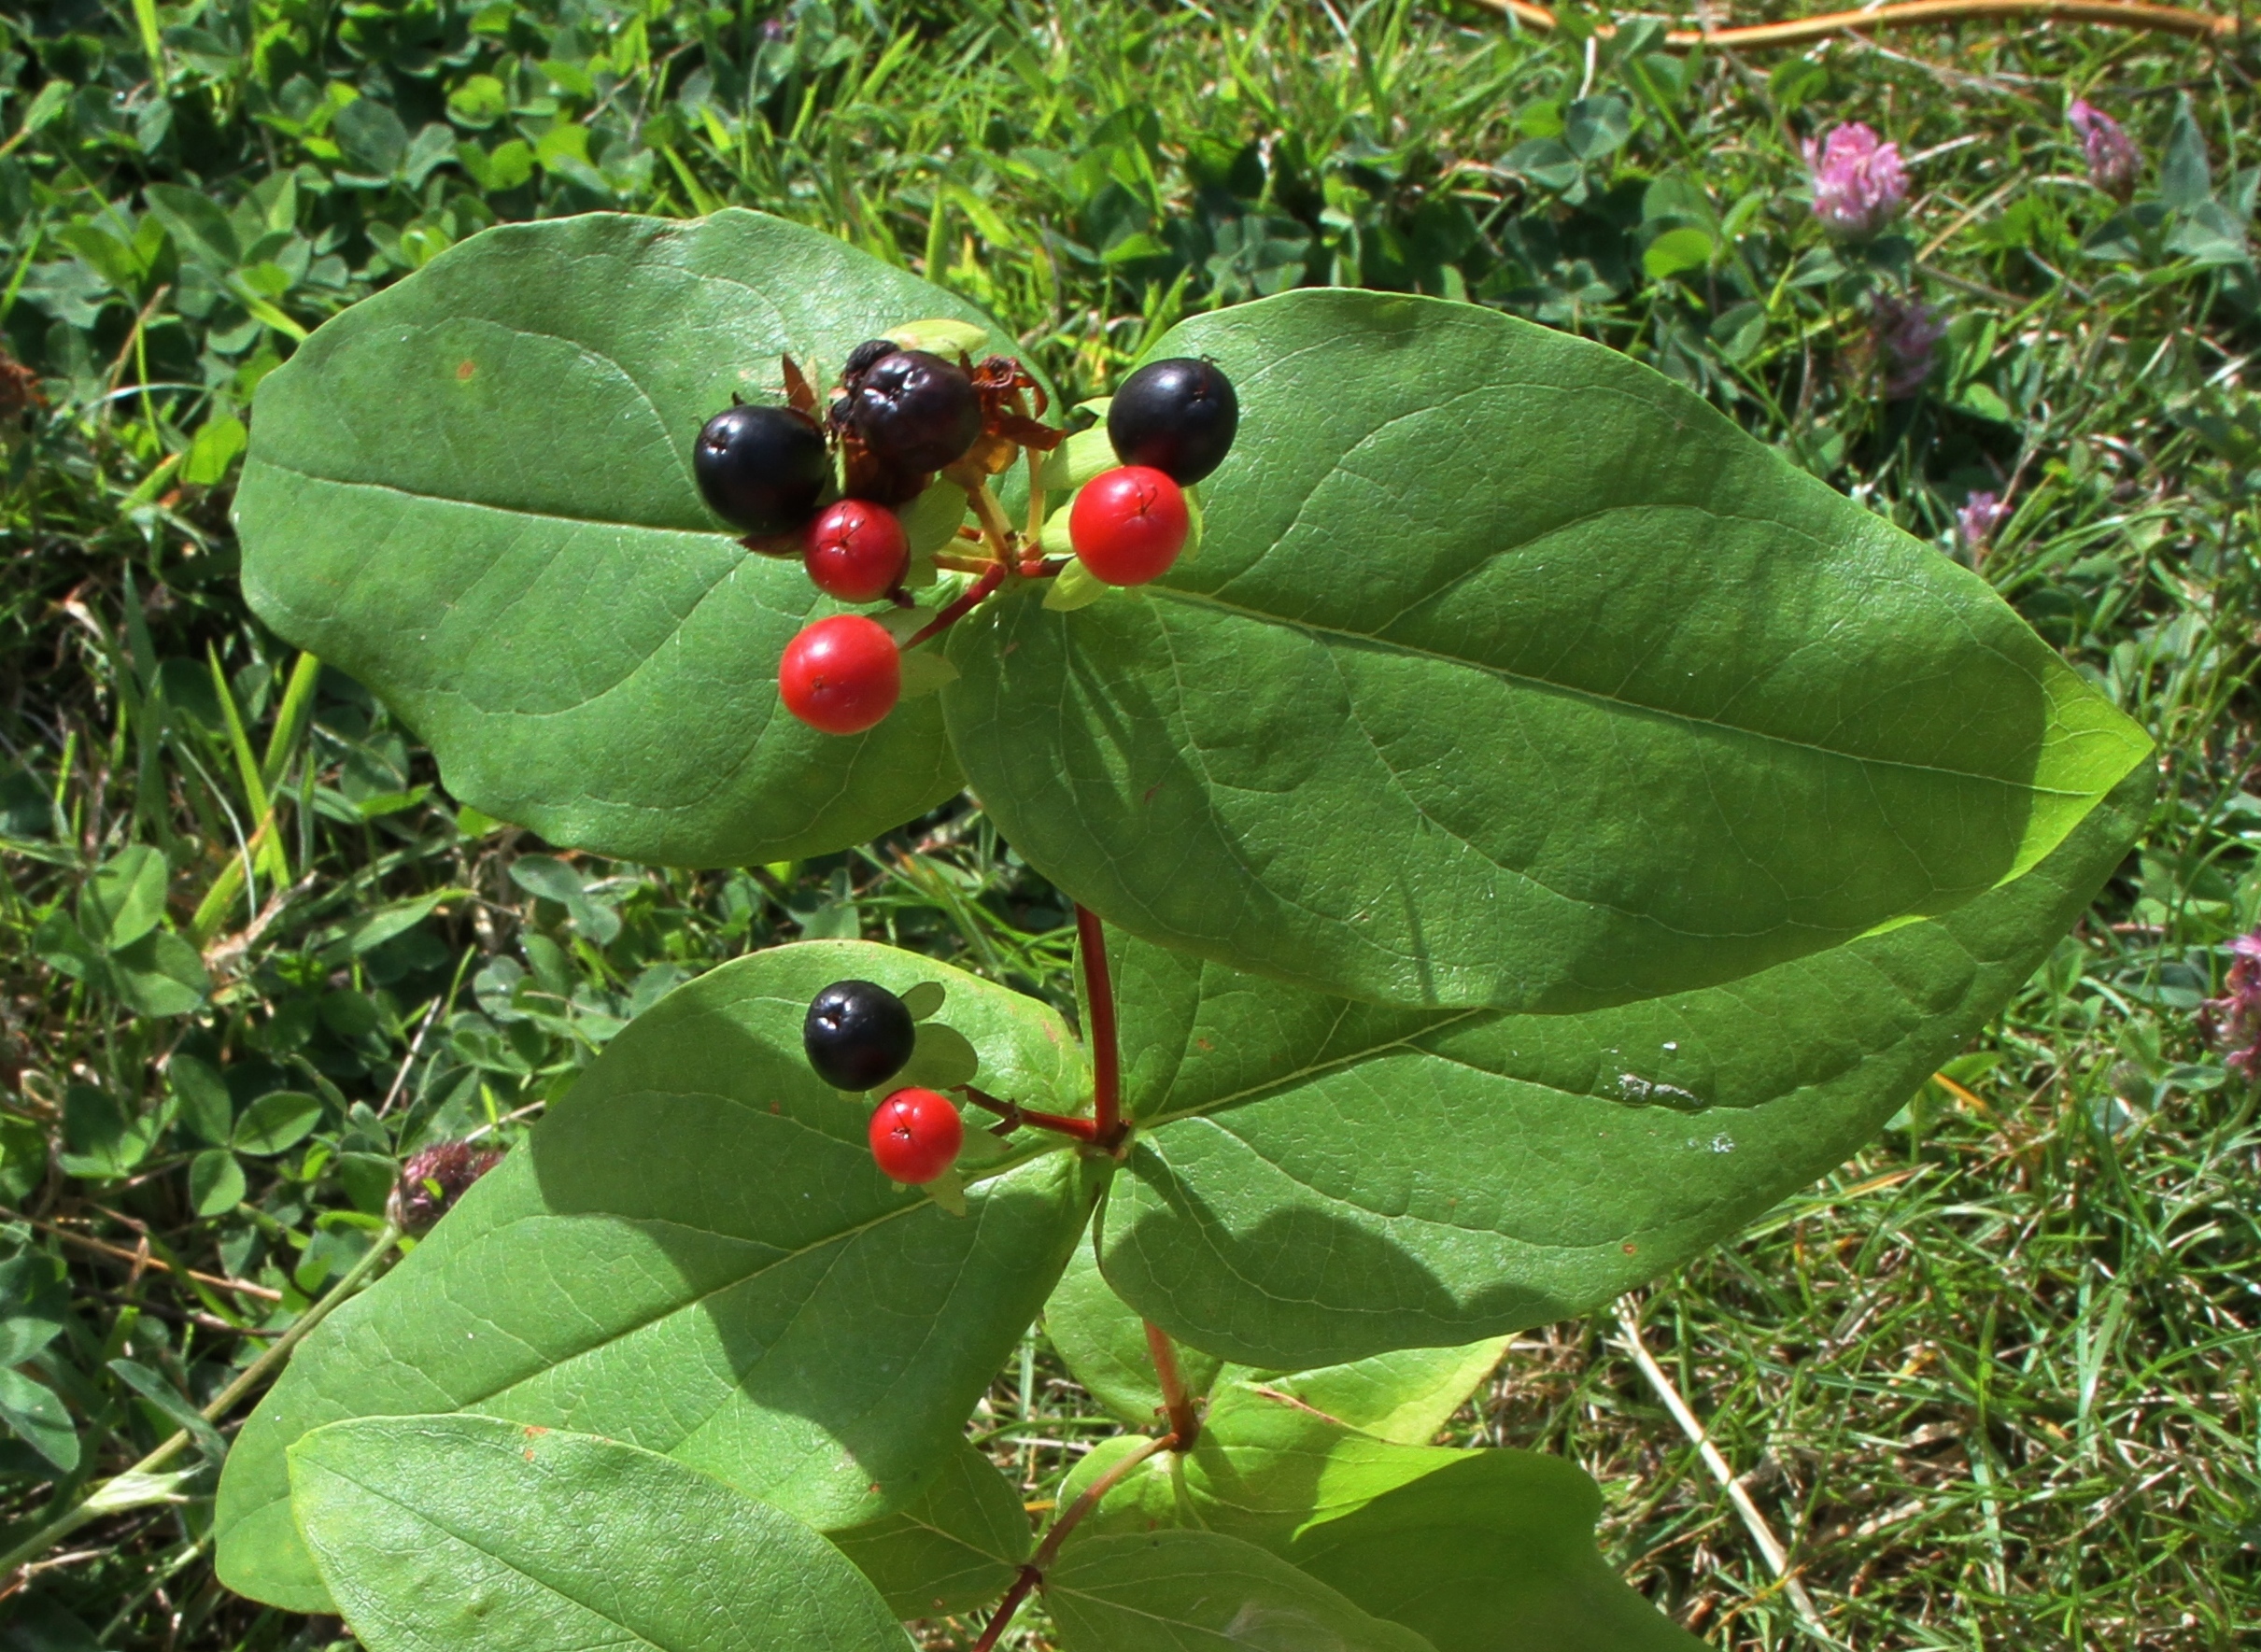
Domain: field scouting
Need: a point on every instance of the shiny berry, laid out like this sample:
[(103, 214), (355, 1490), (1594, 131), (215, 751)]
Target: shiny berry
[(915, 1135), (761, 469), (858, 551), (859, 1035), (914, 412), (842, 674), (1128, 525), (1178, 415)]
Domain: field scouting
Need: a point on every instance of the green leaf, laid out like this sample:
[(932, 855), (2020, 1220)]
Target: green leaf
[(1405, 1396), (35, 1301), (218, 442), (198, 225), (1202, 1591), (37, 1414), (551, 879), (1677, 251), (1331, 1179), (479, 101), (958, 1545), (216, 1181), (160, 974), (942, 1059), (278, 1122), (587, 650), (2185, 180), (695, 1253), (480, 1535), (1479, 1551), (1510, 673), (1104, 1343), (124, 898)]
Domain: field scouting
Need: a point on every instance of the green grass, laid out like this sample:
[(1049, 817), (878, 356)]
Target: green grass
[(1994, 1383)]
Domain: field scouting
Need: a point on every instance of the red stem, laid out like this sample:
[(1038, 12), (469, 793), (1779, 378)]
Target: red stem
[(959, 609), (1177, 1404), (1027, 1580), (1105, 1060), (1049, 1550), (1015, 1115)]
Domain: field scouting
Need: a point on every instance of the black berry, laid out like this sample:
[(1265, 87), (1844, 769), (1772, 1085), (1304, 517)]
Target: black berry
[(1178, 416), (859, 1035), (761, 469), (914, 412)]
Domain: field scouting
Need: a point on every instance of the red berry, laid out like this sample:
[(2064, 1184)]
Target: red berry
[(858, 551), (915, 1135), (1128, 525), (840, 674)]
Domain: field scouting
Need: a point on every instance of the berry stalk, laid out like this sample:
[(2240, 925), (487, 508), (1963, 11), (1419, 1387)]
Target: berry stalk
[(1105, 1060), (961, 608), (1015, 1115)]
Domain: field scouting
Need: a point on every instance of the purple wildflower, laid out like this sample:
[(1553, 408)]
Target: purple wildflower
[(2112, 161), (2233, 1021), (1858, 183), (435, 1179), (1907, 332), (1976, 523)]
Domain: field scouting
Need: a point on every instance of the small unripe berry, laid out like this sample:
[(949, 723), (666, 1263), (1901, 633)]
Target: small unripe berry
[(858, 551), (842, 674), (761, 469), (1128, 525), (915, 1135), (859, 1035), (1178, 415)]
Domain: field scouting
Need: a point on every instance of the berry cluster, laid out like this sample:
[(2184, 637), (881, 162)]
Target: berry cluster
[(827, 491), (860, 1035)]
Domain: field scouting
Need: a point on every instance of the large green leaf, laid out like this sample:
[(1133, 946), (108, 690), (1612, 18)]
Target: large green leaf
[(1202, 1591), (473, 492), (1479, 1551), (1405, 1395), (1319, 1180), (1510, 674), (694, 1255), (473, 1534), (958, 1545)]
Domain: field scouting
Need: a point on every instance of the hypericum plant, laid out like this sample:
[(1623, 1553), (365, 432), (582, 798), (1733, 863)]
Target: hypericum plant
[(1529, 829)]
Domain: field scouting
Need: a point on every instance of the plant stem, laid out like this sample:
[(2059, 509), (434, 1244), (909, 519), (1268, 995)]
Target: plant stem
[(81, 1512), (1105, 1060), (1013, 1113), (961, 608), (995, 527), (1177, 1404), (1049, 1550), (2122, 14), (1036, 495)]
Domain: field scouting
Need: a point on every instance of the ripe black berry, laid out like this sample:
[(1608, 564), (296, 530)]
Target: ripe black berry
[(1178, 416), (859, 1035), (914, 412), (761, 469)]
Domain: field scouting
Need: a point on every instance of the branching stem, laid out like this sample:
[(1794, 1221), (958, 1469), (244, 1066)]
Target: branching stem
[(1049, 1550), (961, 608), (1105, 1060)]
